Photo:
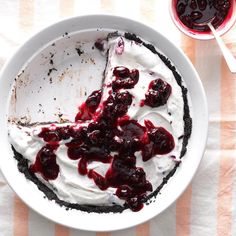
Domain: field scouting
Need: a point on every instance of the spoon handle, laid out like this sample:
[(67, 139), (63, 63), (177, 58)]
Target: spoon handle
[(229, 58)]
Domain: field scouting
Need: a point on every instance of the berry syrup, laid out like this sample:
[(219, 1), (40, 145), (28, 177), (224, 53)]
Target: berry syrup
[(195, 14)]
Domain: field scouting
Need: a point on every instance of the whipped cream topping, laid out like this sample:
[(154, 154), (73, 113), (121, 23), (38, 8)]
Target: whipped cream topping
[(72, 187)]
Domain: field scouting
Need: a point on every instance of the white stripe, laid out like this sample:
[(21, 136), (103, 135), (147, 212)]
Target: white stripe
[(87, 7), (213, 142), (128, 8), (74, 232), (126, 232), (164, 224), (46, 13), (208, 65), (9, 28), (204, 196), (38, 225), (164, 23), (9, 18), (2, 61)]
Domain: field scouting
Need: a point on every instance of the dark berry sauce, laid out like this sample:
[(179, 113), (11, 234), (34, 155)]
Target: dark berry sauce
[(108, 130), (45, 163), (160, 141), (124, 78), (87, 108), (194, 13), (157, 94)]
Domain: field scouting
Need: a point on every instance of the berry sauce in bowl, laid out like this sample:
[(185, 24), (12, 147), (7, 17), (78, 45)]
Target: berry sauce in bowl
[(192, 16)]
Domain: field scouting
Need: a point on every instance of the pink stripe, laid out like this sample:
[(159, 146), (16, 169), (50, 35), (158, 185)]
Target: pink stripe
[(147, 11), (20, 218), (188, 45), (103, 234), (61, 230), (107, 5), (26, 14), (143, 229), (66, 8), (224, 201)]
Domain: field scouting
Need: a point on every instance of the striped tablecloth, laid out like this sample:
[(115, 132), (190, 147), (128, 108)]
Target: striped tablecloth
[(208, 205)]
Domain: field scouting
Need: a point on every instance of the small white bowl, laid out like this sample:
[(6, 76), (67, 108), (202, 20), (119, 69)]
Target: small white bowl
[(91, 26)]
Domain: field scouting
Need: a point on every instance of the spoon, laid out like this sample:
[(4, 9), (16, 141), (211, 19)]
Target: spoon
[(229, 58)]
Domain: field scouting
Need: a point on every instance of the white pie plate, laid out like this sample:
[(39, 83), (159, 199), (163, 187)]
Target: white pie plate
[(34, 87)]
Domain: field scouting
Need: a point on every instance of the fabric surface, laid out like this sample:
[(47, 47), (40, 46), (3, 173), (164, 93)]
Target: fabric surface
[(207, 207)]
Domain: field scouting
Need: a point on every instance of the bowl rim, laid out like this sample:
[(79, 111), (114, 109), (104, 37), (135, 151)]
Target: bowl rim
[(100, 17), (202, 36)]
